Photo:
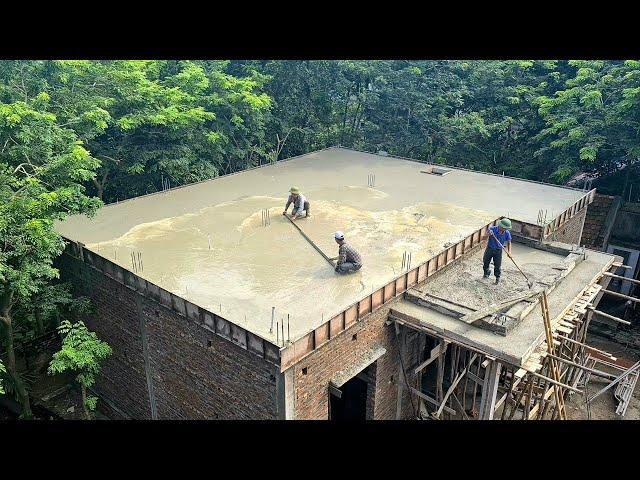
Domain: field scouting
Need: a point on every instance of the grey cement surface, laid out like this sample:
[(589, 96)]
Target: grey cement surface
[(463, 280), (516, 347), (249, 268)]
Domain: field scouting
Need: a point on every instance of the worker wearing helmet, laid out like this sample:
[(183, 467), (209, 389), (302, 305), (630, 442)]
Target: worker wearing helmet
[(499, 238), (300, 203), (348, 258)]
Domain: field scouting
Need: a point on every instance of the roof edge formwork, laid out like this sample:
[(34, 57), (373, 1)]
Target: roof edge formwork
[(287, 354)]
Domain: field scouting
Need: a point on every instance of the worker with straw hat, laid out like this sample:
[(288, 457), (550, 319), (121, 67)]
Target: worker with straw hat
[(300, 203), (499, 239)]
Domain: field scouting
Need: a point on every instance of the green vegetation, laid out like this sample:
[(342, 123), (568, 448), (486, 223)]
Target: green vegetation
[(74, 134), (3, 371), (147, 122), (82, 353), (542, 120), (43, 169)]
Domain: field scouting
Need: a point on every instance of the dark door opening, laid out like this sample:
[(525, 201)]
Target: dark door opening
[(352, 404)]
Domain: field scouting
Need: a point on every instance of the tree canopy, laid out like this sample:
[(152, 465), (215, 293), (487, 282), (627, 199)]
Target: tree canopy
[(82, 353), (158, 121)]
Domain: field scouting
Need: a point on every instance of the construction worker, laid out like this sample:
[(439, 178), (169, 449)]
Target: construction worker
[(300, 203), (499, 233), (348, 259)]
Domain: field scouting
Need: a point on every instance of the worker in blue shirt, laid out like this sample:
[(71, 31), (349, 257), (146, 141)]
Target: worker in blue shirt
[(500, 233)]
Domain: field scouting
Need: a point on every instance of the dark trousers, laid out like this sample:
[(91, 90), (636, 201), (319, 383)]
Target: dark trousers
[(496, 255), (347, 267)]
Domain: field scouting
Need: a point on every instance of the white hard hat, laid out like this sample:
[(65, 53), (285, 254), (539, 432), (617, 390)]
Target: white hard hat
[(338, 235)]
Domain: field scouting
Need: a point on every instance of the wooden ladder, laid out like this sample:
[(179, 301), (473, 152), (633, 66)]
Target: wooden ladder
[(555, 373)]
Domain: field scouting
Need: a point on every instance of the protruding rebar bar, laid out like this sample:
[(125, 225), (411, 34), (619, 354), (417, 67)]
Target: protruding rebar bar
[(288, 329), (273, 314), (266, 217)]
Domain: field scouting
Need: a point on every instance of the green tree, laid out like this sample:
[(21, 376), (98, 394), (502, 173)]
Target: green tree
[(82, 353), (3, 372), (149, 121), (43, 167), (153, 120), (592, 121)]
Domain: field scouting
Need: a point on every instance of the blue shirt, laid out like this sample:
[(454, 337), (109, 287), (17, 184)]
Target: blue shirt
[(504, 237)]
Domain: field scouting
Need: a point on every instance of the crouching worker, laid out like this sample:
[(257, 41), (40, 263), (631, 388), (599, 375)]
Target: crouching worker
[(348, 259), (500, 233), (300, 204)]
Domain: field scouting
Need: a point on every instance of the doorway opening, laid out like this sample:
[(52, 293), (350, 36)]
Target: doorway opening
[(349, 402)]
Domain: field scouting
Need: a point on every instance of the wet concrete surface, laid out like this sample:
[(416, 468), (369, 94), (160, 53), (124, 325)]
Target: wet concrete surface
[(518, 344), (465, 280), (206, 242)]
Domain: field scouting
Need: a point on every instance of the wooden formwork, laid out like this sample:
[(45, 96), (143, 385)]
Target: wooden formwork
[(484, 387), (542, 232)]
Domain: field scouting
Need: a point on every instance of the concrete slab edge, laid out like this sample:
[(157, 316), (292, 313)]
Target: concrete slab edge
[(209, 321)]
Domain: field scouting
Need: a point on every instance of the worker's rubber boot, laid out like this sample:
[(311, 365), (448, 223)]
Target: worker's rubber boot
[(497, 280)]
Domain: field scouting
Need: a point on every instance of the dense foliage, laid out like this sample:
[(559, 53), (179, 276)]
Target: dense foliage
[(43, 170), (542, 120), (82, 353), (3, 372), (154, 122)]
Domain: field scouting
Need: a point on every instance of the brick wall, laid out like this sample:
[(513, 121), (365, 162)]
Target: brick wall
[(594, 224), (193, 373), (122, 379), (324, 363), (198, 375), (571, 230)]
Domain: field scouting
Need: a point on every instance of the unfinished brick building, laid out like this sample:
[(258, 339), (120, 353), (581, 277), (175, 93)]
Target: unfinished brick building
[(217, 307)]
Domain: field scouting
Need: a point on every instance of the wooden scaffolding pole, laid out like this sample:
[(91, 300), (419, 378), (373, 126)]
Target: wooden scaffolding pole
[(555, 374)]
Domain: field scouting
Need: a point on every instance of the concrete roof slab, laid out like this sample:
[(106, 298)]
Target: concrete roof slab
[(206, 242)]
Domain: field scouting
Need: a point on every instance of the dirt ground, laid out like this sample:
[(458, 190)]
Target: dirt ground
[(59, 395), (604, 407)]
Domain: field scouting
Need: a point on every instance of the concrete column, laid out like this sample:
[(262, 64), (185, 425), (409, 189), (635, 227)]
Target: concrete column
[(289, 395), (489, 390), (584, 218), (400, 338), (145, 353)]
